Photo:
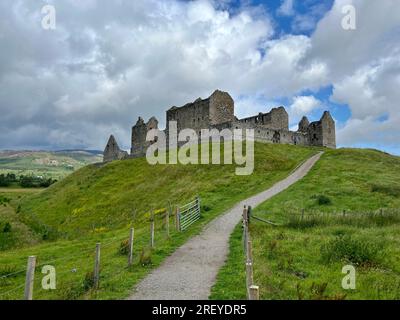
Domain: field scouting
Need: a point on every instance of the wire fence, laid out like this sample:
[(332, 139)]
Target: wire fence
[(92, 266)]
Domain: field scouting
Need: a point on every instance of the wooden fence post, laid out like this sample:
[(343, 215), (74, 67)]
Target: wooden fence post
[(248, 214), (254, 293), (249, 268), (249, 256), (178, 219), (244, 215), (249, 277), (30, 277), (245, 230), (198, 203), (302, 214), (130, 256), (96, 274), (167, 220), (152, 233), (344, 213)]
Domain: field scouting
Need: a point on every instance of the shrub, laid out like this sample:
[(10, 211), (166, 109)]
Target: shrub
[(88, 281), (145, 257), (4, 200), (355, 251), (4, 181), (71, 291), (124, 247), (7, 227), (323, 200)]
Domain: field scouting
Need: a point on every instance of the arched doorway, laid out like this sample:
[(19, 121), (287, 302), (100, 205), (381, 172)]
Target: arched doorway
[(277, 137)]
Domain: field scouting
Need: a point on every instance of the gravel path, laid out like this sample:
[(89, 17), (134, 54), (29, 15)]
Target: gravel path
[(190, 272)]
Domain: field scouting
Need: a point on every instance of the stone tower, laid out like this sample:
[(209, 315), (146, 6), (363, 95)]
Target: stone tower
[(112, 151), (203, 113), (221, 108), (303, 124), (139, 133), (322, 133), (328, 130)]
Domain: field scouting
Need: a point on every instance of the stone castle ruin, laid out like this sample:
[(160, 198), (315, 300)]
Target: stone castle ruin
[(217, 111)]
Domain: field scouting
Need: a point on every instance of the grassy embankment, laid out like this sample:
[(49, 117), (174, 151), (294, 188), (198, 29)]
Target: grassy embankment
[(101, 203), (303, 258)]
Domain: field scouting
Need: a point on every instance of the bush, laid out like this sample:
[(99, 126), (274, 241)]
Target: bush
[(4, 181), (88, 282), (124, 247), (35, 182), (145, 257), (4, 200), (355, 251), (71, 291), (7, 227), (323, 200)]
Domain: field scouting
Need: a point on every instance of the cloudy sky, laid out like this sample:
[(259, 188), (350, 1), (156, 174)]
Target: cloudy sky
[(108, 62)]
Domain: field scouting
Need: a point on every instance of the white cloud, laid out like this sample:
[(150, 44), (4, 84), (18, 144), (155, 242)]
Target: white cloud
[(109, 62), (364, 68), (377, 35), (247, 106), (302, 106), (373, 96), (286, 8), (97, 72)]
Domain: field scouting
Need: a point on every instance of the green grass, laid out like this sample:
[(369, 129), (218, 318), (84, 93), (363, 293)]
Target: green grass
[(303, 258), (100, 202)]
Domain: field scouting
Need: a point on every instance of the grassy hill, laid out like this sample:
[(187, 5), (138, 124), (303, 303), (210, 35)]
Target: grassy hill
[(50, 164), (101, 202), (303, 257)]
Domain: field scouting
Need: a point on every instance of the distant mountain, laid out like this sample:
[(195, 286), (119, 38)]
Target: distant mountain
[(55, 164), (94, 152)]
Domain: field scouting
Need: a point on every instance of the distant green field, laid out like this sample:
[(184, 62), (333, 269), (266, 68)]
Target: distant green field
[(56, 165), (101, 203), (303, 258)]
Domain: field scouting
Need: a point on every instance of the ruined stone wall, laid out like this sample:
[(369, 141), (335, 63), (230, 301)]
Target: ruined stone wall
[(315, 133), (322, 133), (328, 130), (139, 144), (113, 152), (268, 135), (217, 111), (304, 124), (192, 115), (221, 108), (277, 119)]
